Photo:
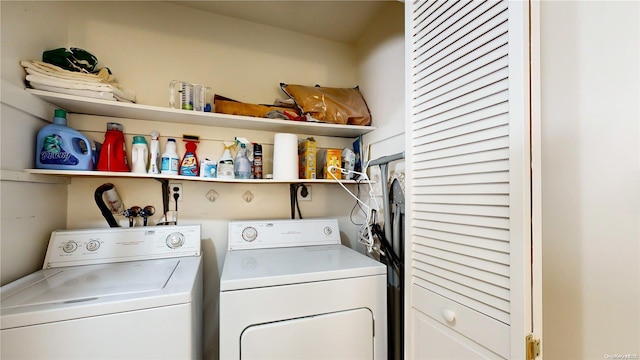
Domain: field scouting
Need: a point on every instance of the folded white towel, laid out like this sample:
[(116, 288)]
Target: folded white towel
[(71, 84), (53, 70), (77, 85), (103, 95), (46, 74)]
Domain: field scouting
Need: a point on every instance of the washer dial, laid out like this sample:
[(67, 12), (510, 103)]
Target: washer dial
[(69, 247), (175, 240), (327, 230), (93, 245), (249, 234)]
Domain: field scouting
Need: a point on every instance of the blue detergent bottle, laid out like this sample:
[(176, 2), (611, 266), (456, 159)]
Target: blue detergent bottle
[(60, 147)]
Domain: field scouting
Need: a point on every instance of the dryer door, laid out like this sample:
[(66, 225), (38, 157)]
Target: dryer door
[(340, 335)]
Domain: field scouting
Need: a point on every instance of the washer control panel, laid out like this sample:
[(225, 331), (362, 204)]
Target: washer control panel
[(259, 234), (97, 246)]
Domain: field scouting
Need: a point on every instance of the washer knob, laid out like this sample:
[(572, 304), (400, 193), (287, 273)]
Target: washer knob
[(249, 234), (69, 247), (93, 245), (327, 230), (175, 240)]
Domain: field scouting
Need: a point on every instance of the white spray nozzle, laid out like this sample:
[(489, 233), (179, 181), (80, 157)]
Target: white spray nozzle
[(154, 135), (240, 140)]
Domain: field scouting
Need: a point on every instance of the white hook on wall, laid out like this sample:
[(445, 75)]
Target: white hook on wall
[(212, 195), (248, 196)]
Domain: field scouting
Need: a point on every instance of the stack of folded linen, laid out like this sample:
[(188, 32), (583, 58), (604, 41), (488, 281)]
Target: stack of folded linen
[(49, 77)]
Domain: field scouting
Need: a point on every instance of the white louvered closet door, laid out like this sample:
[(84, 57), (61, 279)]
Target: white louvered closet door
[(468, 269)]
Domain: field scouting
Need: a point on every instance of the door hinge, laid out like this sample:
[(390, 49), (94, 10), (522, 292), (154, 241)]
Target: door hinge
[(533, 347)]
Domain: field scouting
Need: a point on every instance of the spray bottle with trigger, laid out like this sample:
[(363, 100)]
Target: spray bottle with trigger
[(225, 164), (190, 165), (154, 153)]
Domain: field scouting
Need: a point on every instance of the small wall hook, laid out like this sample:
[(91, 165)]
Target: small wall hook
[(248, 196), (212, 195)]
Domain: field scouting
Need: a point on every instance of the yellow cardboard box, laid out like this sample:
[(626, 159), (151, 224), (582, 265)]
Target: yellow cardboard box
[(307, 158), (327, 158)]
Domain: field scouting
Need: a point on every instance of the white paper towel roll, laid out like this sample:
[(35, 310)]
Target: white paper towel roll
[(285, 157)]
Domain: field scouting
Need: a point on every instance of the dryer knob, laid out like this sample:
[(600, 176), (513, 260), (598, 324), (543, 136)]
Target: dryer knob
[(175, 240), (249, 234)]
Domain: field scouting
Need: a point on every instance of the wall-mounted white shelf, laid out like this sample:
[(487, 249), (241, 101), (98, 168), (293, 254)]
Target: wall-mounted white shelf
[(114, 174), (117, 109)]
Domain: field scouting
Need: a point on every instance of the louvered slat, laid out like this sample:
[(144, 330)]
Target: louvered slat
[(470, 149), (484, 157), (479, 210), (462, 199), (467, 240), (468, 261), (473, 231), (480, 275)]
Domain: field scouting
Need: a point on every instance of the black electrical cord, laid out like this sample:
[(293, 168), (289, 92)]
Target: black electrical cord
[(302, 192), (293, 195), (176, 195)]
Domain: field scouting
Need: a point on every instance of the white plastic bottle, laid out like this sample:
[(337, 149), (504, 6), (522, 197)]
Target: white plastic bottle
[(170, 158), (154, 153), (242, 165), (139, 155)]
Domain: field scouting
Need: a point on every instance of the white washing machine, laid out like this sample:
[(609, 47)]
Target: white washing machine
[(120, 293), (290, 290)]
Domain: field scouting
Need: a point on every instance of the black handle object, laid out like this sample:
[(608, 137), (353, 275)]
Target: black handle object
[(146, 212), (292, 197), (131, 213), (106, 213), (391, 255), (165, 196)]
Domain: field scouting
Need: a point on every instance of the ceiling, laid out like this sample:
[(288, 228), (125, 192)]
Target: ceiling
[(342, 21)]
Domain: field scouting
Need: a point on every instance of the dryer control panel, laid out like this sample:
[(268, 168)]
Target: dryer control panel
[(99, 246), (260, 234)]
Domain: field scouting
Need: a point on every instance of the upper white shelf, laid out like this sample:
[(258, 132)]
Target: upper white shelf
[(83, 105)]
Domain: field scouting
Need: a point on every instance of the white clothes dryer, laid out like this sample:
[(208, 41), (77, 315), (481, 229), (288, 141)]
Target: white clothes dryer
[(120, 293), (290, 290)]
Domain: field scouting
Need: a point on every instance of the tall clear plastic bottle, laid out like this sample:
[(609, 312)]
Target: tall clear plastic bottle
[(242, 164)]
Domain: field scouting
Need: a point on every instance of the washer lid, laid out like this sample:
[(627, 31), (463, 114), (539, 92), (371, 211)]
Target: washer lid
[(91, 290), (246, 269)]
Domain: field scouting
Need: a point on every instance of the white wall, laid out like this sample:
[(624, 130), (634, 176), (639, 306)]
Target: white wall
[(381, 76), (147, 45), (590, 178), (30, 207)]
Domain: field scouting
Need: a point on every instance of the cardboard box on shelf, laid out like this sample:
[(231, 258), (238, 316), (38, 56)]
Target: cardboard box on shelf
[(327, 158), (307, 158)]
